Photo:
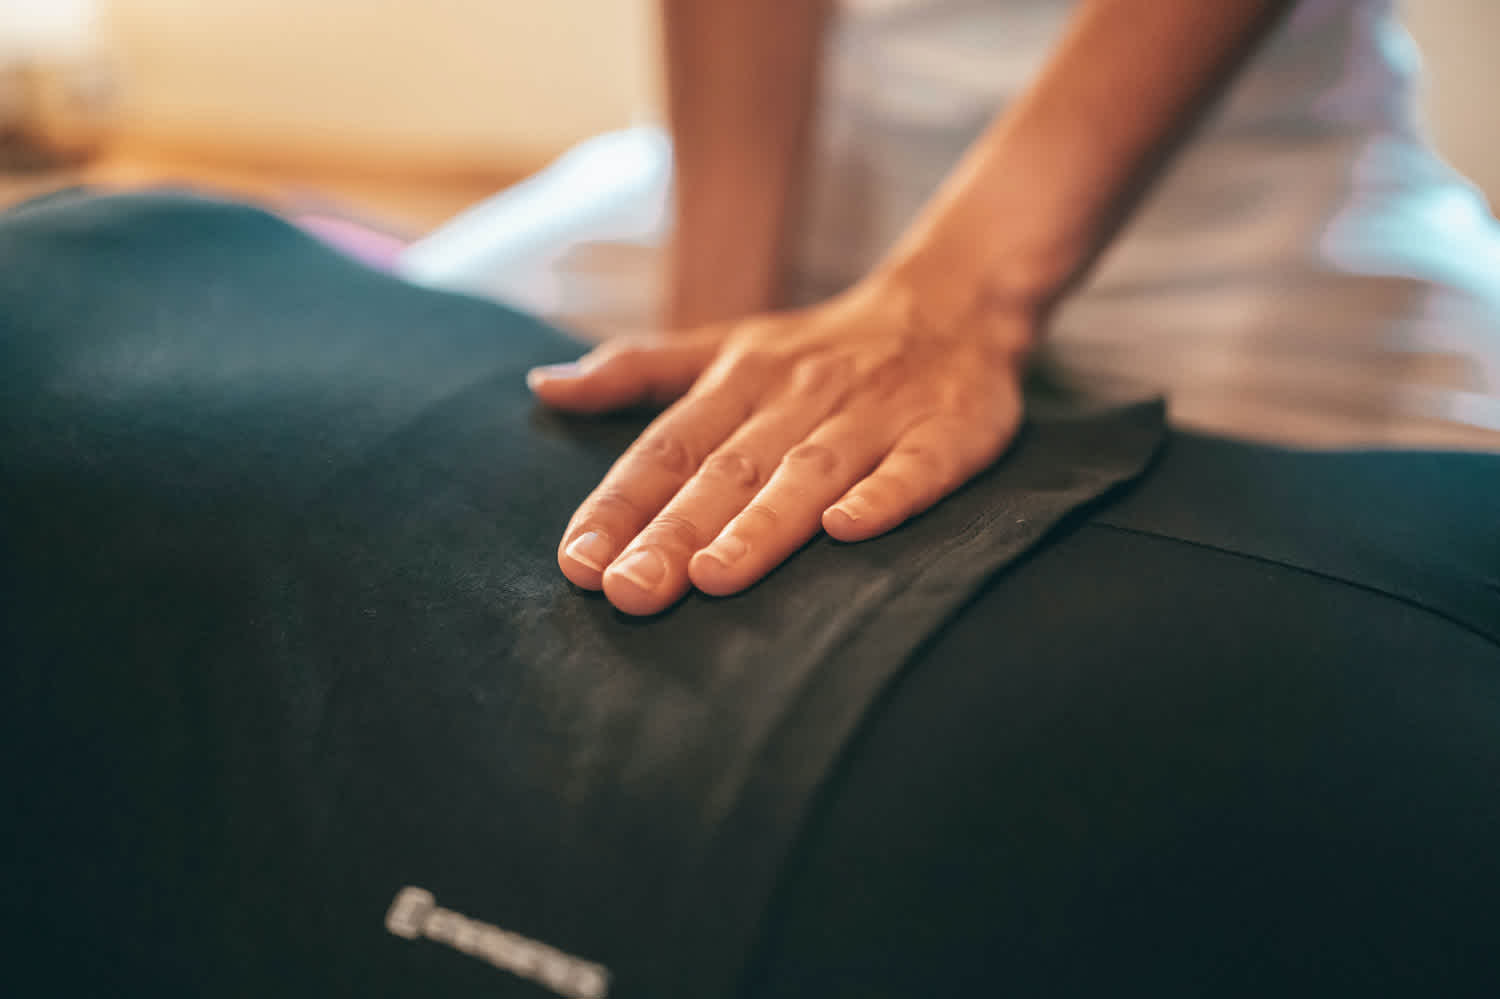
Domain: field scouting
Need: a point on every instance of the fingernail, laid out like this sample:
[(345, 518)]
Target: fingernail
[(727, 549), (546, 371), (644, 568), (854, 507), (592, 548)]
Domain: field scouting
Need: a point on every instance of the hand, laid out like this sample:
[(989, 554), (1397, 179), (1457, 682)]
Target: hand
[(851, 416)]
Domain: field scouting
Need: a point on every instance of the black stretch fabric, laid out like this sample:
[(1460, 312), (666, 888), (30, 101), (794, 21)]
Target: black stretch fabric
[(1234, 735), (283, 633)]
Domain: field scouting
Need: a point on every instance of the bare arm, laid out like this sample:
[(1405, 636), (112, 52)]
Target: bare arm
[(741, 87), (1042, 191), (857, 414)]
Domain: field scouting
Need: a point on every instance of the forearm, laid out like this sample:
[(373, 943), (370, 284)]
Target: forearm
[(741, 85), (1037, 197)]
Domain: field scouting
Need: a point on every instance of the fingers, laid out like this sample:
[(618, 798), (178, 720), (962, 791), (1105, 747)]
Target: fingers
[(652, 573), (641, 482), (929, 461), (785, 514), (728, 483), (626, 373)]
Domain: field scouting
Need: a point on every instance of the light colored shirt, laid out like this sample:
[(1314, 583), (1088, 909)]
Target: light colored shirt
[(1307, 269)]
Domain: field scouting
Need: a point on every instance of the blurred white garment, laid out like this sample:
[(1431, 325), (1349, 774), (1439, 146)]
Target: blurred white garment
[(1307, 270), (578, 244)]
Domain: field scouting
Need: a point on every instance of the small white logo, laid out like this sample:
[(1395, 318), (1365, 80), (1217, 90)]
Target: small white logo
[(415, 913)]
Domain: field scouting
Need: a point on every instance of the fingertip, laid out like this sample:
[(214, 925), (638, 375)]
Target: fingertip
[(839, 525), (571, 396), (630, 598), (597, 388), (557, 374), (852, 518), (723, 568), (555, 382), (711, 575), (584, 558), (580, 576), (644, 581)]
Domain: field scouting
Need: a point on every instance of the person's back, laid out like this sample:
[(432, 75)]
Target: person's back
[(295, 702)]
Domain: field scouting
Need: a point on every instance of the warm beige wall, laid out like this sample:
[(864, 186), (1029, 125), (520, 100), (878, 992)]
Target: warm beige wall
[(498, 80), (1458, 39), (512, 80)]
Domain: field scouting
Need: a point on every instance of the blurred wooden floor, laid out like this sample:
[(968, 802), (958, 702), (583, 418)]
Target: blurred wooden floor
[(407, 206)]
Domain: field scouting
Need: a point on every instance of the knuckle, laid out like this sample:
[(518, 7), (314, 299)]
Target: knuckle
[(673, 530), (734, 467), (818, 459), (886, 381), (923, 399), (722, 392), (925, 461), (722, 387), (755, 334), (888, 491), (667, 453), (813, 374), (974, 408), (758, 519), (917, 410), (613, 507), (748, 363)]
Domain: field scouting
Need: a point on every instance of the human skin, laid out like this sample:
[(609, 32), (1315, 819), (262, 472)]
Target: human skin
[(856, 414)]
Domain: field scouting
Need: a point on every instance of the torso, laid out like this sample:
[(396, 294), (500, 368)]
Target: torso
[(1307, 269)]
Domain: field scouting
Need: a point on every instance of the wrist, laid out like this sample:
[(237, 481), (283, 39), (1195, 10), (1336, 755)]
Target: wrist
[(951, 291), (981, 256), (698, 292), (714, 277)]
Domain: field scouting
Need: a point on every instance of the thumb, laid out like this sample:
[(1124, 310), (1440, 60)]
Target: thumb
[(626, 372)]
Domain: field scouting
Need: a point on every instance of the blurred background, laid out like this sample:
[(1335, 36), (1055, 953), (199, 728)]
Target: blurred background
[(400, 114)]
